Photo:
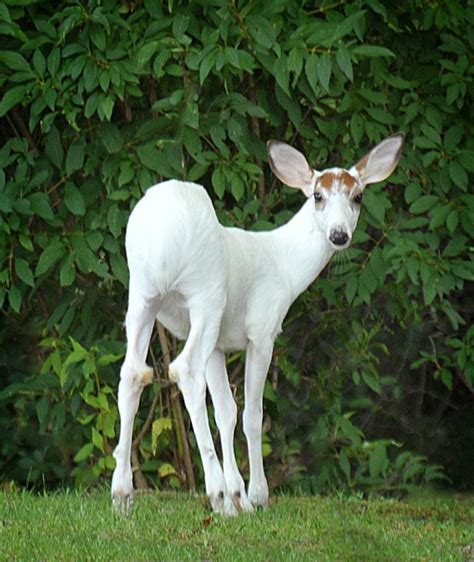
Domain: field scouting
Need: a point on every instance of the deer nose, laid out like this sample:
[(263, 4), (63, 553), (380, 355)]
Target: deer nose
[(339, 237)]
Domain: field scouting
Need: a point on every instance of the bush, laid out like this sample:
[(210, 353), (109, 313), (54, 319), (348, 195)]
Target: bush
[(100, 100)]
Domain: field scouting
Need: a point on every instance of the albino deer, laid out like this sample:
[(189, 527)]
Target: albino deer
[(224, 289)]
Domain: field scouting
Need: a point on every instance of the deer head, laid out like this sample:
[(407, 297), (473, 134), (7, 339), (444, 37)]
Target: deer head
[(337, 192)]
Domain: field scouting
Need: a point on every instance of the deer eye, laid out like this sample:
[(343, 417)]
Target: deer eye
[(318, 197), (358, 199)]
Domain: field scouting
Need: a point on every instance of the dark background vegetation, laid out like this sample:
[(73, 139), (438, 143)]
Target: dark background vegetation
[(371, 387)]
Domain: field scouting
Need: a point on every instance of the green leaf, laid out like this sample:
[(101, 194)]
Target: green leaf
[(377, 460), (349, 430), (351, 288), (219, 182), (292, 107), (97, 439), (119, 268), (237, 187), (206, 65), (114, 220), (40, 205), (67, 273), (343, 59), (412, 191), (452, 221), (380, 115), (423, 204), (345, 465), (54, 148), (447, 378), (25, 241), (111, 138), (458, 174), (91, 104), (11, 98), (49, 256), (357, 128), (429, 292), (295, 61), (431, 133), (372, 381), (74, 200), (179, 26), (15, 61), (15, 298), (42, 409), (374, 204), (324, 70), (91, 75), (5, 203), (429, 158), (281, 72), (453, 137), (149, 156), (98, 37), (157, 428), (106, 105), (53, 61), (439, 215), (190, 116), (84, 452), (24, 272), (39, 62), (372, 51), (75, 158), (311, 71), (88, 262), (166, 469)]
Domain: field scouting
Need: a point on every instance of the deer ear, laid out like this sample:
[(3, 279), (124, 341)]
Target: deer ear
[(381, 161), (290, 166)]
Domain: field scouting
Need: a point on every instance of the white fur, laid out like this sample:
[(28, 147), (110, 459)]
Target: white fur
[(221, 289)]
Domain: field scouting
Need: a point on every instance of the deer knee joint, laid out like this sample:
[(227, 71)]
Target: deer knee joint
[(146, 376)]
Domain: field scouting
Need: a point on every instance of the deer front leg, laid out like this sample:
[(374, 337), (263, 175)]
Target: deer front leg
[(256, 368)]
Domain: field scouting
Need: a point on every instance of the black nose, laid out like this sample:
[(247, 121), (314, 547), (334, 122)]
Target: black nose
[(339, 237)]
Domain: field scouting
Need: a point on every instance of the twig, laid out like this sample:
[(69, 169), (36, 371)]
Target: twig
[(176, 403), (24, 131), (255, 125)]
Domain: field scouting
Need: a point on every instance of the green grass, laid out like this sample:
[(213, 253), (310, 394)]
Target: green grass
[(164, 526)]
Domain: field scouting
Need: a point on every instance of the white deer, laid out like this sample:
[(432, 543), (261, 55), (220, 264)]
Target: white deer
[(224, 289)]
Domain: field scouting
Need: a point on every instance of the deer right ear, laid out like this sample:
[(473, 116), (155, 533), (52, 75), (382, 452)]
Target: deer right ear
[(290, 166)]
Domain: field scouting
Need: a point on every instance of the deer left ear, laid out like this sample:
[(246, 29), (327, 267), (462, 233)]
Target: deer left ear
[(381, 161)]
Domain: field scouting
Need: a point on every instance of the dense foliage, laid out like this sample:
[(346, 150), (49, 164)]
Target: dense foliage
[(373, 377)]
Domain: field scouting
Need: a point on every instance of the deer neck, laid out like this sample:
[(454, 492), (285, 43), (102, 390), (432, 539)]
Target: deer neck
[(301, 249)]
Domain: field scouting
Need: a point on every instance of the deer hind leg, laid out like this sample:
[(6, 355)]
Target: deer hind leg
[(188, 370), (225, 411), (135, 374), (256, 368)]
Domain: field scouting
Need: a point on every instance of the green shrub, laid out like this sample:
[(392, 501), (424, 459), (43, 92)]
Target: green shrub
[(100, 100)]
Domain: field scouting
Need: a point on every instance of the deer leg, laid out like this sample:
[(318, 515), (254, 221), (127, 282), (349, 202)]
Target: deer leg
[(135, 374), (188, 370), (256, 368), (225, 410)]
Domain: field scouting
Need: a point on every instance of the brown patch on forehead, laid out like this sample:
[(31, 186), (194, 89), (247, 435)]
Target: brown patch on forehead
[(347, 180), (326, 180)]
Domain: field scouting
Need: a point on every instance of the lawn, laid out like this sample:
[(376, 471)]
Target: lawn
[(82, 526)]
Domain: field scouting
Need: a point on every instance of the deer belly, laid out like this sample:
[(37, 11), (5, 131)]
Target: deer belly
[(233, 335), (174, 315)]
